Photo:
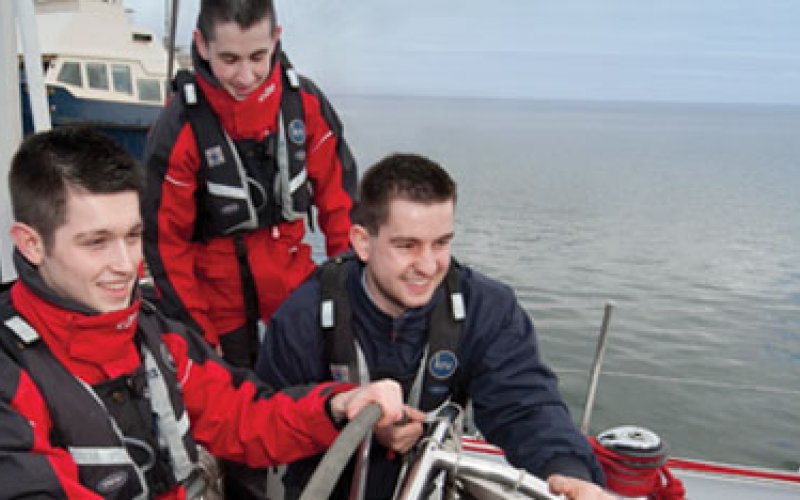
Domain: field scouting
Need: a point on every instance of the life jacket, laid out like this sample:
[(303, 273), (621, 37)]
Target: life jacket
[(248, 184), (433, 384), (130, 435)]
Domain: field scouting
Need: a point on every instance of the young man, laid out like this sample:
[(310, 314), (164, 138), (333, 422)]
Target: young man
[(102, 396), (409, 311), (235, 161)]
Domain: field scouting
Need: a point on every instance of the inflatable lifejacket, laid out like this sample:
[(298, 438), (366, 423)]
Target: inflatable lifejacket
[(129, 435), (432, 385), (248, 184)]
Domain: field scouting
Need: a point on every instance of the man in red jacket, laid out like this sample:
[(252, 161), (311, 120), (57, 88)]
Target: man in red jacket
[(235, 161), (101, 395)]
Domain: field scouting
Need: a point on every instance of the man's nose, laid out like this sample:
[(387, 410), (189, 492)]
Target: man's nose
[(245, 75), (122, 256), (427, 263)]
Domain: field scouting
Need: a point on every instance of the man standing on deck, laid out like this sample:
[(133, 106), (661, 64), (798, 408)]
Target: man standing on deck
[(101, 395), (235, 161), (402, 308)]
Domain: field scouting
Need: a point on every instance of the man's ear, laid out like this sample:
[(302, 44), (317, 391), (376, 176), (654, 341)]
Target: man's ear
[(29, 242), (276, 34), (359, 240), (200, 43)]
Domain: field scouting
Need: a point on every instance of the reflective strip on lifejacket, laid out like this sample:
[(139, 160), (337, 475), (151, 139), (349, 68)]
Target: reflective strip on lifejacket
[(282, 158), (227, 191), (86, 456), (252, 218), (285, 186), (415, 394), (190, 93), (457, 304), (327, 314), (294, 79), (297, 181), (121, 438), (111, 455), (162, 406), (361, 471), (184, 424), (24, 331), (363, 370)]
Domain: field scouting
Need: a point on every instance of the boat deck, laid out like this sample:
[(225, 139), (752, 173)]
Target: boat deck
[(712, 486)]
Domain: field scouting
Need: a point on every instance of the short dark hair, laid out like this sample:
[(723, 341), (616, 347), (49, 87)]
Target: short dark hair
[(245, 13), (48, 163), (408, 176)]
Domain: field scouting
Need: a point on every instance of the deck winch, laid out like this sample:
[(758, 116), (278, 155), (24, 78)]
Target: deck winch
[(633, 459)]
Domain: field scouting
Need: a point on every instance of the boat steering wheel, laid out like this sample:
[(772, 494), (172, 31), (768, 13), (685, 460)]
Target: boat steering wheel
[(438, 463)]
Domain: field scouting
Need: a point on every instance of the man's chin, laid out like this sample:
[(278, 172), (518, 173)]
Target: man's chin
[(415, 301), (239, 96), (111, 304)]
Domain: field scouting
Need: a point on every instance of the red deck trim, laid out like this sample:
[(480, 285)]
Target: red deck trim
[(696, 465)]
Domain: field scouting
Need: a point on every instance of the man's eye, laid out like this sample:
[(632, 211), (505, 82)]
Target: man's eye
[(134, 237)]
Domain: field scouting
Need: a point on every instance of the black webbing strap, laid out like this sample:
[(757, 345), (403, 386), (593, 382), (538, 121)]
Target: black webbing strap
[(336, 320), (444, 335), (292, 110), (250, 296)]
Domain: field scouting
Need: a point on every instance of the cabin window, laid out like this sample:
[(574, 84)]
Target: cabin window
[(149, 89), (70, 73), (98, 76), (121, 77), (142, 37)]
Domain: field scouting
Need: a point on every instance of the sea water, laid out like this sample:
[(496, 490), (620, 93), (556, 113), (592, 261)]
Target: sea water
[(686, 216)]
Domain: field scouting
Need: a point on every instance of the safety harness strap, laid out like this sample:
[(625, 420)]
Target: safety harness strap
[(336, 320), (67, 397), (444, 333)]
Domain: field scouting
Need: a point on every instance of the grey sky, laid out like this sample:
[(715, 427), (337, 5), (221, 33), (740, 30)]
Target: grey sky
[(684, 50)]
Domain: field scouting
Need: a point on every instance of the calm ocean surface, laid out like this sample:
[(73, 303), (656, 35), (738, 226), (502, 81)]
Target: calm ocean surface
[(686, 216)]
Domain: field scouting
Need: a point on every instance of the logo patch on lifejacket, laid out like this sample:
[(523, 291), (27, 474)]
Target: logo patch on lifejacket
[(229, 209), (268, 90), (214, 156), (297, 131), (340, 373), (438, 390), (127, 322), (112, 482), (443, 364)]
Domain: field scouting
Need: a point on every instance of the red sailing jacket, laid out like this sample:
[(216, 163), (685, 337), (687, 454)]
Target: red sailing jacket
[(231, 414), (202, 278)]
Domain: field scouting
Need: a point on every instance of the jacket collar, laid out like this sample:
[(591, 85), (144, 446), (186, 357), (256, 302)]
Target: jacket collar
[(251, 118), (93, 346), (416, 318)]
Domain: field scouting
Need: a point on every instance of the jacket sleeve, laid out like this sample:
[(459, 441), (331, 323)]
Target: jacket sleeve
[(240, 418), (169, 212), (515, 396), (30, 465), (331, 168)]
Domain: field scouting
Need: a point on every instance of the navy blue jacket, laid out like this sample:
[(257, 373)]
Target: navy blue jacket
[(515, 396)]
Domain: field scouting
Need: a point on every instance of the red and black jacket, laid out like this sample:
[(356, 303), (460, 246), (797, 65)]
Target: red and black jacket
[(195, 270), (229, 412)]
